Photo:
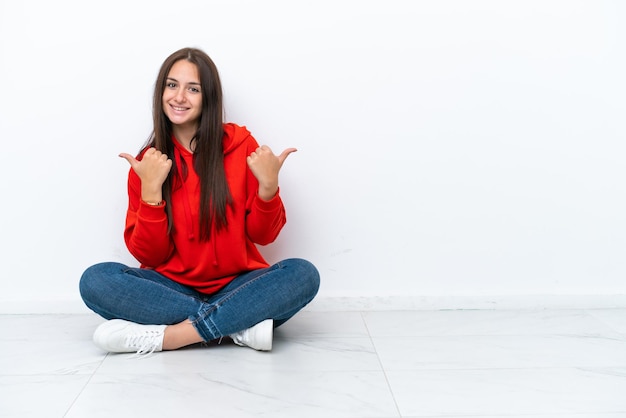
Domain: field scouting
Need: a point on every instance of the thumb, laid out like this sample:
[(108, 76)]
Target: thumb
[(283, 156), (131, 160)]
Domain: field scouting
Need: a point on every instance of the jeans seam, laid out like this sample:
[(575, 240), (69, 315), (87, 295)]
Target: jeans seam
[(240, 288), (204, 315)]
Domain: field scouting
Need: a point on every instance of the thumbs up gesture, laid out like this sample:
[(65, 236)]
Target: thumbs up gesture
[(265, 167), (152, 170)]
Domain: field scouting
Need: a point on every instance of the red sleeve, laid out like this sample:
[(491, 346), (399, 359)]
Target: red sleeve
[(145, 233), (265, 219)]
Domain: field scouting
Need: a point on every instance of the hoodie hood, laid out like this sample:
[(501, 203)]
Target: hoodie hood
[(234, 136)]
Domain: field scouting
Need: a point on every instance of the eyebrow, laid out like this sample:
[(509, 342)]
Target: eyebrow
[(193, 82)]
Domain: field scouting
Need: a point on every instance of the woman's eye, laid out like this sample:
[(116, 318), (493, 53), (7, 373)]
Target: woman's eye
[(194, 89), (171, 85)]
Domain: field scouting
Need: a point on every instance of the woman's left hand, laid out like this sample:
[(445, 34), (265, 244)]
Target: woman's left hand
[(265, 167)]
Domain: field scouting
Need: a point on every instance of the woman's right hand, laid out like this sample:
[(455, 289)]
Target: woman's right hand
[(152, 170)]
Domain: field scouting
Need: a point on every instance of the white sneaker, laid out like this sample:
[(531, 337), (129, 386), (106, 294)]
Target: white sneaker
[(258, 337), (119, 336)]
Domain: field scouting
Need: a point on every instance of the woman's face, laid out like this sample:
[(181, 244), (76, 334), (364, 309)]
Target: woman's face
[(182, 96)]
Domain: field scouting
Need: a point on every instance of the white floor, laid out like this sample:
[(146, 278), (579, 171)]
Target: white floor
[(331, 365)]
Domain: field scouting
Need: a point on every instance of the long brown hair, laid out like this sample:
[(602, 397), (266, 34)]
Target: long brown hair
[(207, 143)]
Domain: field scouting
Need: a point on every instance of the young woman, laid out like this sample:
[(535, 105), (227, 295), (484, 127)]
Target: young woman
[(202, 194)]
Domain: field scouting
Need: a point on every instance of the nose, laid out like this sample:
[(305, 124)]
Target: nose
[(180, 95)]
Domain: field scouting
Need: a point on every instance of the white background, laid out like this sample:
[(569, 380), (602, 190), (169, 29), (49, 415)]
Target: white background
[(451, 153)]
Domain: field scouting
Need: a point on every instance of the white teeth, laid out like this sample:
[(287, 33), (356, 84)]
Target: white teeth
[(178, 108)]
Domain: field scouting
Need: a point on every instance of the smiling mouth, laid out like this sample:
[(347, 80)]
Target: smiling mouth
[(179, 109)]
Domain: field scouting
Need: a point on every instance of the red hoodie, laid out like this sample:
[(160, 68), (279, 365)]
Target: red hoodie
[(209, 265)]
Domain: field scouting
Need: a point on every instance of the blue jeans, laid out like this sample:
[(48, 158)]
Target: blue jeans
[(144, 296)]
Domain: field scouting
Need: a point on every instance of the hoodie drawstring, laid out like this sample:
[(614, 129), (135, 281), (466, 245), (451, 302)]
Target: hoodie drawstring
[(187, 206)]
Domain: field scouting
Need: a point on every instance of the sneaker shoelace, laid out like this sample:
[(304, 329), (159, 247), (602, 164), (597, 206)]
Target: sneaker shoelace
[(145, 342)]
